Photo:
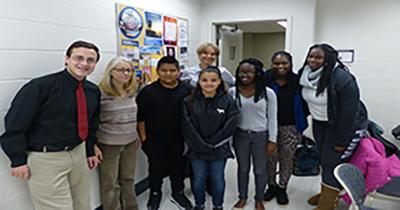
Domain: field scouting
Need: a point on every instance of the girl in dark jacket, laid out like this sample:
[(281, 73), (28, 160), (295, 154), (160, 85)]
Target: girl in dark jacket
[(210, 117), (291, 124), (339, 117)]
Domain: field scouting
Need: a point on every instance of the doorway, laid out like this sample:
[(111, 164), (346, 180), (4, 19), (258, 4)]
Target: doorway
[(258, 39)]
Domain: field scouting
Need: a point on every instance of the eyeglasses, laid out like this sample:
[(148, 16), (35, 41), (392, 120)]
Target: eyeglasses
[(124, 70), (250, 74), (80, 58)]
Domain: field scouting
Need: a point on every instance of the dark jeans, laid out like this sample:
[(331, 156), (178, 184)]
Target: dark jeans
[(250, 148), (165, 158), (214, 170), (330, 158)]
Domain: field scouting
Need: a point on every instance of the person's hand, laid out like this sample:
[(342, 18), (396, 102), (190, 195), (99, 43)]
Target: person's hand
[(340, 149), (21, 172), (137, 144), (93, 162), (98, 153), (270, 148)]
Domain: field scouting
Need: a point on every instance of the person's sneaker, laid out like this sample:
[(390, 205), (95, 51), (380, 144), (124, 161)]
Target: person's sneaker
[(281, 196), (218, 208), (240, 204), (181, 201), (154, 201), (270, 193)]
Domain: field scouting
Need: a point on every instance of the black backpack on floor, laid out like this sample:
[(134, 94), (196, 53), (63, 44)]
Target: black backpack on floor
[(376, 132), (306, 158)]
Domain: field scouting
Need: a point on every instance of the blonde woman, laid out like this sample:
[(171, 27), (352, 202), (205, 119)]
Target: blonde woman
[(117, 136), (207, 54)]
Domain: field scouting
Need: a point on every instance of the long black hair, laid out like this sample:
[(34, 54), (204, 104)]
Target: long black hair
[(259, 81), (331, 57)]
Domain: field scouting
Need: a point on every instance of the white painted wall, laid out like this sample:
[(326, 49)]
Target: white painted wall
[(35, 34), (262, 45), (372, 29), (33, 40), (301, 14)]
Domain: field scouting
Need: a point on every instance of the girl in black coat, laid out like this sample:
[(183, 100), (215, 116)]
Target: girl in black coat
[(339, 117), (210, 117)]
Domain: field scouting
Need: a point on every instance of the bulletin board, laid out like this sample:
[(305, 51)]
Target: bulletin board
[(145, 36)]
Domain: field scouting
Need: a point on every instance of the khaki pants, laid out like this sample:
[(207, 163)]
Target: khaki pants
[(117, 172), (59, 180)]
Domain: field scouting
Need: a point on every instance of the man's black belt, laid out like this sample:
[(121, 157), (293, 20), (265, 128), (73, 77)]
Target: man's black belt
[(49, 148)]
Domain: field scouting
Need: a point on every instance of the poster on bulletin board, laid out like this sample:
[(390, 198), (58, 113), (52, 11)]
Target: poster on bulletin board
[(145, 36)]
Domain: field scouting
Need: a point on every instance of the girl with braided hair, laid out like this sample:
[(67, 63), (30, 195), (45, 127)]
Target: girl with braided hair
[(292, 122), (255, 137), (339, 118)]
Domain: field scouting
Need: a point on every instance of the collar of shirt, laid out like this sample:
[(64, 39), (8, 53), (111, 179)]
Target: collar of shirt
[(72, 80)]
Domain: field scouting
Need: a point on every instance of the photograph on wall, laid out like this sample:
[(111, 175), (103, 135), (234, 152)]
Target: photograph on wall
[(130, 22), (152, 41), (153, 25), (170, 30), (183, 54), (153, 29), (170, 51), (130, 26), (148, 65), (130, 49), (182, 32), (346, 55), (149, 56)]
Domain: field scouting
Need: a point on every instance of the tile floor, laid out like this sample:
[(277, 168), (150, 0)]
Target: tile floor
[(299, 190)]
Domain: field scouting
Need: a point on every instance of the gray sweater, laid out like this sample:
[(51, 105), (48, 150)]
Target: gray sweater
[(253, 116), (117, 120)]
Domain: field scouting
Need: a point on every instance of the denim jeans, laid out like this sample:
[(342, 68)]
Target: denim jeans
[(213, 169), (250, 148)]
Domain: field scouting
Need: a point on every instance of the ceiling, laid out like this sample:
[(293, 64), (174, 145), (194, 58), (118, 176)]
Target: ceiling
[(269, 26)]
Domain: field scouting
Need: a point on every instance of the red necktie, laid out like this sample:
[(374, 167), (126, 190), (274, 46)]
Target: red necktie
[(82, 112)]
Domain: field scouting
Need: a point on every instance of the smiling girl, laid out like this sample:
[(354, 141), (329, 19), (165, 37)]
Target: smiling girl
[(257, 128), (291, 124), (210, 117), (338, 116)]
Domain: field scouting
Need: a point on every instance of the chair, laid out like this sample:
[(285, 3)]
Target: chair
[(389, 192), (352, 180)]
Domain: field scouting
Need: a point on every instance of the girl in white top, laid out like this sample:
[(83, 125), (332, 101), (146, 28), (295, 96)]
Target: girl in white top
[(257, 128)]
